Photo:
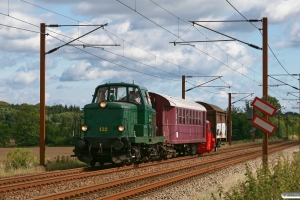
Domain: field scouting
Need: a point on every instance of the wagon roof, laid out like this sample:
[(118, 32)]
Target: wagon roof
[(211, 106), (182, 103)]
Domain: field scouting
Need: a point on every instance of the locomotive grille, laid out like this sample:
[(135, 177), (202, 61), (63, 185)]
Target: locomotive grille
[(103, 122)]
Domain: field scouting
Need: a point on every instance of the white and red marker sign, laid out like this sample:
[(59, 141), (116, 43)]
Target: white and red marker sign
[(263, 124), (264, 107)]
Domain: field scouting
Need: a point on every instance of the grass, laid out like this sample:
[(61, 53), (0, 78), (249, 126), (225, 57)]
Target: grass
[(64, 162), (23, 162)]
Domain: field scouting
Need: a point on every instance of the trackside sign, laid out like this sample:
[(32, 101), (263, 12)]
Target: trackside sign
[(263, 124), (264, 107)]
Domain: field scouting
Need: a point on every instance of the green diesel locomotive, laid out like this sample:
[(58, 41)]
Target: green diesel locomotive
[(119, 127)]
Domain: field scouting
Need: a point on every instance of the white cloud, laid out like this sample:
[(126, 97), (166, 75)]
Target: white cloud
[(23, 80), (85, 71)]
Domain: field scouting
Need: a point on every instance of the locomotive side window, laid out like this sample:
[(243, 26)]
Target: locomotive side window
[(131, 94), (101, 95), (147, 98)]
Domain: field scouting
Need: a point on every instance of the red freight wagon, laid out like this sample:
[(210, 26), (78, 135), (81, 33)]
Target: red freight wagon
[(179, 120), (218, 119)]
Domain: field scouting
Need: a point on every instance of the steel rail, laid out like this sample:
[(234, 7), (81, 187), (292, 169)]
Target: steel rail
[(9, 184), (18, 179)]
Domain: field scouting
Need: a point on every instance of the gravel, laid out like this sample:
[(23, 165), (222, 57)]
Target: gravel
[(201, 187)]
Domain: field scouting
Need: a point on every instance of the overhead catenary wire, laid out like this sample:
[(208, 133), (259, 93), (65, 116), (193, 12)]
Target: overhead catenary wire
[(185, 41), (199, 32), (19, 28), (113, 34), (104, 29), (86, 51), (261, 33), (113, 62)]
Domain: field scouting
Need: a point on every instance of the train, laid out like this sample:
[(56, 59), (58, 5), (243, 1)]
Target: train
[(126, 124)]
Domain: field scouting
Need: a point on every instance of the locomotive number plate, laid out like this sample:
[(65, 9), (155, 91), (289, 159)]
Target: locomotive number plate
[(103, 129)]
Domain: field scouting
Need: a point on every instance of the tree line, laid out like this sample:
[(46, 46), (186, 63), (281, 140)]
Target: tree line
[(21, 124)]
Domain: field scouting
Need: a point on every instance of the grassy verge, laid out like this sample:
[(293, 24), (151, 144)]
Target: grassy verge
[(23, 162), (266, 183)]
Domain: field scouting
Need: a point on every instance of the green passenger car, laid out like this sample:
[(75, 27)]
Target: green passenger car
[(119, 126)]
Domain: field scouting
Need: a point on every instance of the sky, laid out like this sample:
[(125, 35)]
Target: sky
[(137, 45)]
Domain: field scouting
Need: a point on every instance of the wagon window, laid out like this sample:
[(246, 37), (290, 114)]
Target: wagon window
[(191, 117), (183, 116), (199, 118), (180, 120), (187, 117), (194, 114), (176, 120), (196, 118)]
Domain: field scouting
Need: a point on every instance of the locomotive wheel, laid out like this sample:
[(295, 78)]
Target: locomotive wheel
[(93, 163), (216, 148), (101, 163)]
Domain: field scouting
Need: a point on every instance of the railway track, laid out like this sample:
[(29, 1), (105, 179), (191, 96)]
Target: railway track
[(190, 169), (15, 183), (19, 181)]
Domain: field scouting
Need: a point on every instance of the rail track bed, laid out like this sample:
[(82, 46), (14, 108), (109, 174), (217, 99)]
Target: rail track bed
[(126, 181)]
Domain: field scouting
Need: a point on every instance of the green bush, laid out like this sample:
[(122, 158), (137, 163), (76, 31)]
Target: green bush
[(19, 158)]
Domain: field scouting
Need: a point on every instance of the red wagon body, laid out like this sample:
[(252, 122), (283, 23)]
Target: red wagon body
[(182, 122)]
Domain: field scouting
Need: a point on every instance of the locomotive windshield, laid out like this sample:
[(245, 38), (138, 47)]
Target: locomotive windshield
[(122, 94), (101, 95)]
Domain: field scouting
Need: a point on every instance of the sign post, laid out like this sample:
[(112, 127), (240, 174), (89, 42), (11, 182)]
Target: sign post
[(263, 123)]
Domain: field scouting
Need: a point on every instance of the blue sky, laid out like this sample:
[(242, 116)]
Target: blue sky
[(144, 30)]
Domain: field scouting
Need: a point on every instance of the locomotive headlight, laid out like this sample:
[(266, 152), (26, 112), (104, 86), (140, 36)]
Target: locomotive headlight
[(84, 128), (102, 104), (121, 128)]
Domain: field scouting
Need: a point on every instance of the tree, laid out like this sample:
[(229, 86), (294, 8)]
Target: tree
[(274, 102), (25, 126), (5, 134)]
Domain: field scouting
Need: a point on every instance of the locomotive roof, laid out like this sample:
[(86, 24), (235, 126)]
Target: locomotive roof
[(182, 103), (122, 84)]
